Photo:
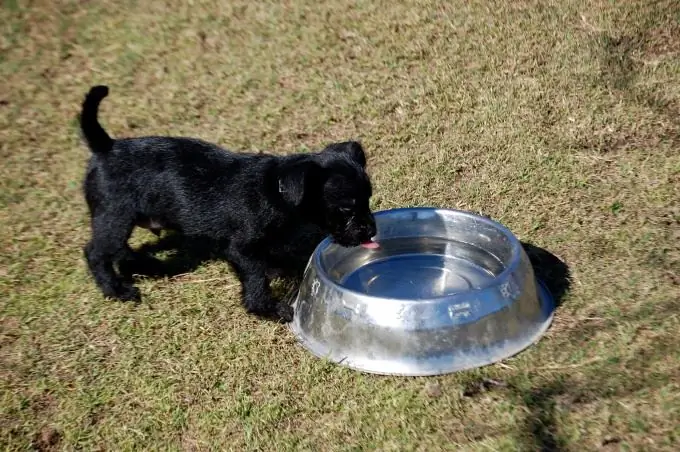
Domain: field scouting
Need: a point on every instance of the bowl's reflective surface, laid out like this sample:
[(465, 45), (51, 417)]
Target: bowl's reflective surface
[(446, 291)]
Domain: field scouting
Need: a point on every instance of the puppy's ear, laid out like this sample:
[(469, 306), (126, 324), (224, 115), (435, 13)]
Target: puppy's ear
[(352, 148), (295, 180)]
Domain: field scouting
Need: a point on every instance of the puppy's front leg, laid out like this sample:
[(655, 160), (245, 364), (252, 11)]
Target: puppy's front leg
[(257, 296)]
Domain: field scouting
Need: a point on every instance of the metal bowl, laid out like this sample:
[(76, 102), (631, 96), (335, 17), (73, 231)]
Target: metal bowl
[(445, 291)]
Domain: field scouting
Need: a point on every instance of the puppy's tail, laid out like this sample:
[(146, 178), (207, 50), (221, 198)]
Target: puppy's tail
[(97, 139)]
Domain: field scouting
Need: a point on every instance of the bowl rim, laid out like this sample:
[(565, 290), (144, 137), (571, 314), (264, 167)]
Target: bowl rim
[(515, 256)]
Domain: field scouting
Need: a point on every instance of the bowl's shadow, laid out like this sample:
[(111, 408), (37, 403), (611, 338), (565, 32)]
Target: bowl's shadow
[(550, 270)]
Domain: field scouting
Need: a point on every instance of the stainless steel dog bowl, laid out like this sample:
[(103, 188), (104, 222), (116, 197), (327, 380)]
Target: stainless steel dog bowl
[(446, 291)]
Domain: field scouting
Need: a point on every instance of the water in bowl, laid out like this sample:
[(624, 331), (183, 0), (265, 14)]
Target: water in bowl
[(417, 268)]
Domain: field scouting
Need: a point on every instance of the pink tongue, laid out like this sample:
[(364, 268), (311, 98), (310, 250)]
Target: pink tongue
[(370, 245)]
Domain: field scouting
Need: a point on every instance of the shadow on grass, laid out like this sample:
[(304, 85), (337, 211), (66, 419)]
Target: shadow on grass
[(550, 270), (173, 255), (179, 255), (541, 425)]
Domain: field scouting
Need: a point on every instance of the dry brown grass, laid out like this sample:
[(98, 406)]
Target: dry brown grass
[(560, 119)]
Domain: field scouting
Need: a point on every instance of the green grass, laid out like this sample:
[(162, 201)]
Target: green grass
[(560, 119)]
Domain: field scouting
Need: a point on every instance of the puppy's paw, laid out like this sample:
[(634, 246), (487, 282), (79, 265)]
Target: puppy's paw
[(130, 293), (285, 312)]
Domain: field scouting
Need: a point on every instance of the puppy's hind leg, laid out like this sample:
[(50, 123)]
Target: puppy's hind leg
[(110, 232), (257, 295)]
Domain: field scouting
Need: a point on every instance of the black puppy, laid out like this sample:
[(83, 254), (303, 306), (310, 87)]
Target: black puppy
[(256, 209)]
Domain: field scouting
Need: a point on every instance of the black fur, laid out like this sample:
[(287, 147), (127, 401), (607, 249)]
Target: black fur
[(265, 214)]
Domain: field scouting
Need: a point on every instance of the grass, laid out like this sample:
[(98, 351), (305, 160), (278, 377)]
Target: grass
[(560, 119)]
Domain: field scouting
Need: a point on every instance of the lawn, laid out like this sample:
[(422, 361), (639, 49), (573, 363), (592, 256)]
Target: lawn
[(559, 119)]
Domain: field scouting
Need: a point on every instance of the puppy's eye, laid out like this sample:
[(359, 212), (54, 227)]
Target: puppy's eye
[(345, 209)]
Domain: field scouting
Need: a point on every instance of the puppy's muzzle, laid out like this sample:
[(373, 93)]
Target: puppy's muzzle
[(357, 232)]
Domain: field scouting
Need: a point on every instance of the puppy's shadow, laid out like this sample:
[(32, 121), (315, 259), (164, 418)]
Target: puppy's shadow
[(178, 255), (550, 270)]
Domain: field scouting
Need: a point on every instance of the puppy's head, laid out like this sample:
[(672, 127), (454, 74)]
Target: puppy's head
[(332, 187)]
